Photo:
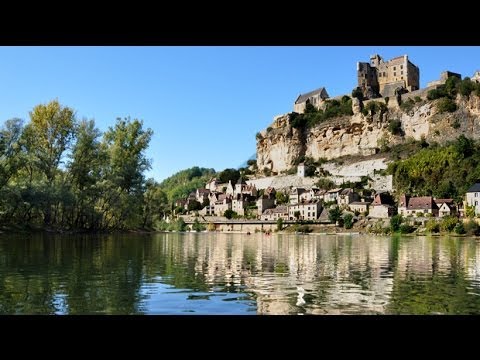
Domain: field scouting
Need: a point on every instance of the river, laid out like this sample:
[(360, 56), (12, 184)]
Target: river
[(217, 273)]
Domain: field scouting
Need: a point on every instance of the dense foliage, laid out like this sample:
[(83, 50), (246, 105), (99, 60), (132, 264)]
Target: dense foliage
[(182, 183), (312, 116), (57, 172), (443, 172)]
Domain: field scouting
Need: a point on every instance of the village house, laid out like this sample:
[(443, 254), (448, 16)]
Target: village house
[(207, 210), (473, 197), (381, 206), (346, 196), (266, 201), (295, 195), (202, 195), (413, 205), (446, 207), (240, 203), (315, 97), (360, 206), (212, 184), (280, 212), (308, 210), (223, 204), (241, 187), (332, 195)]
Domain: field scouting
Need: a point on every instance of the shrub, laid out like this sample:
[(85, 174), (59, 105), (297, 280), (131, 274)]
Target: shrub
[(456, 124), (459, 229), (348, 221), (395, 127), (357, 93), (269, 129), (472, 228), (446, 105), (258, 136), (407, 105), (417, 99), (229, 213), (334, 214), (395, 222), (197, 226), (432, 226), (405, 229), (436, 94), (279, 224), (448, 223)]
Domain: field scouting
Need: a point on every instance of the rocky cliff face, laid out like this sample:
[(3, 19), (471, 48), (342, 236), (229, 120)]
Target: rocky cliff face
[(281, 145)]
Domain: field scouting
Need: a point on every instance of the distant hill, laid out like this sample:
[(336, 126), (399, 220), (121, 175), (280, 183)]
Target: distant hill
[(180, 184)]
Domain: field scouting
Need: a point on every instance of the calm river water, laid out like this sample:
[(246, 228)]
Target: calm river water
[(238, 274)]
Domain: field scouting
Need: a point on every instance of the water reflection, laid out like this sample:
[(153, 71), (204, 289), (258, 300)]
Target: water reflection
[(238, 274)]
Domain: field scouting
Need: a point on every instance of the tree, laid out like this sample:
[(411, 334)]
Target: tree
[(229, 175), (52, 128), (279, 224), (10, 147), (197, 226), (334, 214), (348, 221), (48, 135), (125, 145), (194, 205), (229, 213), (395, 222), (281, 198)]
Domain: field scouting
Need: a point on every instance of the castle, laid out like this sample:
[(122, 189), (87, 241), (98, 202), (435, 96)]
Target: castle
[(387, 78), (376, 78)]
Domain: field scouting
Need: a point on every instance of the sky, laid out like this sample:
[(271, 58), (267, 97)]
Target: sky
[(204, 104)]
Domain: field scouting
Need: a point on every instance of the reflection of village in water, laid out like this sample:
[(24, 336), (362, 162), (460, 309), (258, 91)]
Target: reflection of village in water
[(327, 274), (212, 273)]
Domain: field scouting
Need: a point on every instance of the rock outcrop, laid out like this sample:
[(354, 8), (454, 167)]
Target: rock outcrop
[(279, 148)]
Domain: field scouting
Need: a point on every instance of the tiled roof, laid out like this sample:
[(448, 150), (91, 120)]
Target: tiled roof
[(421, 203), (474, 188), (303, 97)]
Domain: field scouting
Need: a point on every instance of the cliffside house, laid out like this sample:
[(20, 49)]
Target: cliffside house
[(309, 210), (315, 97), (446, 207), (412, 205), (347, 196), (360, 206), (295, 195), (381, 206), (280, 212), (473, 197)]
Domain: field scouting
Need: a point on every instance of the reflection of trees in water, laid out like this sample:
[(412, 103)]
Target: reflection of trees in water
[(440, 281), (286, 273)]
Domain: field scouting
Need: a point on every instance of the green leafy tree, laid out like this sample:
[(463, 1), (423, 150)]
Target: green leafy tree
[(334, 214), (279, 224), (348, 221), (198, 226), (229, 175), (281, 198), (395, 222)]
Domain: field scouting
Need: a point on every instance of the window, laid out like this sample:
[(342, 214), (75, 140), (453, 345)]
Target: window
[(394, 74), (476, 194), (476, 202), (394, 68), (401, 72), (401, 66), (402, 77), (308, 214), (379, 74), (383, 74)]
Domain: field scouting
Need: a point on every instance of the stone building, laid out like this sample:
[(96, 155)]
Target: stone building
[(387, 78), (443, 78), (476, 76), (473, 197), (315, 97)]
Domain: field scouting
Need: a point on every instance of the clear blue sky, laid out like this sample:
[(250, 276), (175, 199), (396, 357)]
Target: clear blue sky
[(204, 104)]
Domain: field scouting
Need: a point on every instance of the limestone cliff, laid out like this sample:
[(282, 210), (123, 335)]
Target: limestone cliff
[(280, 145)]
